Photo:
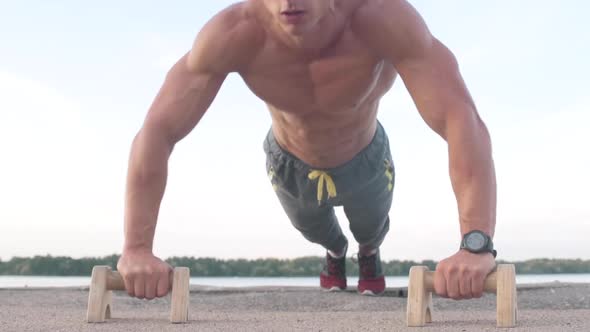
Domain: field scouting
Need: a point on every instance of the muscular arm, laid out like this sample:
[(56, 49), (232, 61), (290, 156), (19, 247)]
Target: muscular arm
[(187, 92), (432, 78), (431, 75), (178, 107)]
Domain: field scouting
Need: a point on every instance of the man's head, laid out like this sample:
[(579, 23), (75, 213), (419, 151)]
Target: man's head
[(299, 16)]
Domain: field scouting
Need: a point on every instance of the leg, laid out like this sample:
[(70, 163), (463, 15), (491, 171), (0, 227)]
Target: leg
[(506, 295), (368, 213), (318, 224), (419, 298), (99, 297), (316, 221), (367, 210), (180, 295)]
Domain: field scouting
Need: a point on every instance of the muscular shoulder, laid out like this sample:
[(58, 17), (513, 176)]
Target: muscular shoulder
[(392, 28), (228, 41)]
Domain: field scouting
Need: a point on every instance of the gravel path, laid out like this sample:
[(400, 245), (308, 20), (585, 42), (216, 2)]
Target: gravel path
[(550, 307)]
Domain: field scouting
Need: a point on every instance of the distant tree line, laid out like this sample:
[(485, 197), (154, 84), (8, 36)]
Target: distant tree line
[(269, 267)]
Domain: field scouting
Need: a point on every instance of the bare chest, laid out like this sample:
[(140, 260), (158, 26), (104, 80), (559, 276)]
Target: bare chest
[(342, 77)]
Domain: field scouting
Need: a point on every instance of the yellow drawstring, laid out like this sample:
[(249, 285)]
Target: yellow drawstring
[(323, 178)]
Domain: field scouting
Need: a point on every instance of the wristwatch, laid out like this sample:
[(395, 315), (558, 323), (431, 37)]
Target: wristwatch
[(478, 242)]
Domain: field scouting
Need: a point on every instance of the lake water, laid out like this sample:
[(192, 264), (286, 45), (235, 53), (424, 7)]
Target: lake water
[(35, 281)]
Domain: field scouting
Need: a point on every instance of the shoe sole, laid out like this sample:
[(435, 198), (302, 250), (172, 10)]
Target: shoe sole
[(333, 289), (370, 293)]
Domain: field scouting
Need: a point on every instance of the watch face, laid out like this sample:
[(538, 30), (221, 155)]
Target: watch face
[(475, 241)]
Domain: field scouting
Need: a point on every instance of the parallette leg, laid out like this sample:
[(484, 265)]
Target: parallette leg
[(419, 310), (506, 296), (99, 297), (180, 295)]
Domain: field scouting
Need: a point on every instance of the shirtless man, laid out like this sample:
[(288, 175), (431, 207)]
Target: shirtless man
[(322, 66)]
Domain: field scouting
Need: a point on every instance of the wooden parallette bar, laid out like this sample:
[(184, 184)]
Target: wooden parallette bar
[(104, 281), (502, 282)]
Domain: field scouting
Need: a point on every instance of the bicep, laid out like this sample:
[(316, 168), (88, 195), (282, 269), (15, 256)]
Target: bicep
[(183, 99)]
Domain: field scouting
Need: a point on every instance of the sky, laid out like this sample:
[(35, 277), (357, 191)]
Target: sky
[(77, 78)]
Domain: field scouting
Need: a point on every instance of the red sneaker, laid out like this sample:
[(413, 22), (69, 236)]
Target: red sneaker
[(371, 278), (333, 276)]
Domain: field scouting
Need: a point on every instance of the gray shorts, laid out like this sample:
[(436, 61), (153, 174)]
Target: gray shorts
[(363, 187)]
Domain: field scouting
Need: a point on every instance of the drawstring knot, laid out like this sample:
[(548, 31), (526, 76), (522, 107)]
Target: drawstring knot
[(324, 179)]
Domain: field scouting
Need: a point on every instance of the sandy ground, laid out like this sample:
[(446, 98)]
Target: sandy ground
[(551, 307)]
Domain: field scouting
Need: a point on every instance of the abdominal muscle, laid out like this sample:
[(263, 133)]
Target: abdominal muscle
[(325, 139)]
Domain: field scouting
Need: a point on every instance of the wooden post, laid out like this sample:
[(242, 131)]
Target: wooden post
[(99, 297), (502, 282), (506, 296), (104, 281), (180, 295), (419, 310)]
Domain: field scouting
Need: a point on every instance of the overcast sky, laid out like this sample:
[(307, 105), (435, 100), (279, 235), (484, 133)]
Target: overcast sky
[(77, 77)]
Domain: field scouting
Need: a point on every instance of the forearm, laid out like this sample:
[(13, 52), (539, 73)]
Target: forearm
[(472, 173), (146, 182)]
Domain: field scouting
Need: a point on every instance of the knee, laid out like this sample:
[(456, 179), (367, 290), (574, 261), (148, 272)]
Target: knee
[(370, 235)]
